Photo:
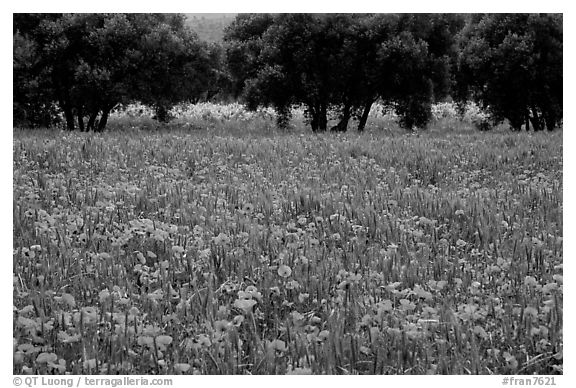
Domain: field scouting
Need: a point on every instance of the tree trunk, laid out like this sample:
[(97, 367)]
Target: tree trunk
[(80, 116), (322, 117), (64, 101), (68, 113), (527, 120), (104, 118), (92, 120), (364, 117), (535, 120), (549, 120), (283, 115), (162, 114), (210, 94), (313, 117), (69, 117), (342, 126)]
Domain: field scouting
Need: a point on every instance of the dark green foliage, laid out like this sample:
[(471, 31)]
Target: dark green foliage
[(89, 63), (243, 45), (342, 63), (512, 64), (32, 105), (78, 67)]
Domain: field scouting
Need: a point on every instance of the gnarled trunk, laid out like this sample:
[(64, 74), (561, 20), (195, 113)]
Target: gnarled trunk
[(323, 117), (104, 119), (80, 116), (162, 114), (69, 116), (68, 113), (364, 117), (92, 121), (342, 126)]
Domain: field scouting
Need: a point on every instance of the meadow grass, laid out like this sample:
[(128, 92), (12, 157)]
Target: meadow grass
[(198, 252)]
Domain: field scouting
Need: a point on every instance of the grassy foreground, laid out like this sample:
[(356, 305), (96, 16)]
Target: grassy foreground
[(179, 253)]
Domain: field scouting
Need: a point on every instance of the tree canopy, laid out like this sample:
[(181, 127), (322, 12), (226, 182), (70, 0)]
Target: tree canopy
[(512, 65), (335, 66), (86, 64), (342, 63)]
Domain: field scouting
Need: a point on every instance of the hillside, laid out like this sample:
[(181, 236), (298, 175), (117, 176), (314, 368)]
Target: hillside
[(210, 26)]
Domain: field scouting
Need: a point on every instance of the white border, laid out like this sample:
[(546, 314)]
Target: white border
[(298, 6)]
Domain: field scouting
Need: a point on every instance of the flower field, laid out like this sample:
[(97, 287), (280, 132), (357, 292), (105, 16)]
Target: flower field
[(193, 252)]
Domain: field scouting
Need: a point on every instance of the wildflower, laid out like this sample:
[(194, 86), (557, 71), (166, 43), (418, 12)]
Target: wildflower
[(277, 345), (275, 291), (292, 285), (530, 281), (44, 358), (182, 367), (461, 243), (558, 278), (253, 292), (530, 313), (68, 339), (82, 238), (90, 364), (323, 335), (27, 253), (284, 271), (221, 239), (244, 295), (221, 327), (511, 361), (89, 314), (244, 304), (248, 207), (66, 299), (104, 295), (162, 341), (177, 251)]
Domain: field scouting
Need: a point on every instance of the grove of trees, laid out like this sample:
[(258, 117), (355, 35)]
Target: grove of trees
[(81, 66), (86, 64)]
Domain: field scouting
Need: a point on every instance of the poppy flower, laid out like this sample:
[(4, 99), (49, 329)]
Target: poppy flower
[(181, 367), (44, 358), (284, 271), (221, 327), (244, 304)]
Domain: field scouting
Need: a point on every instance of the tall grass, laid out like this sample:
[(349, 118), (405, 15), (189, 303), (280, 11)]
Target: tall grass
[(198, 252)]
